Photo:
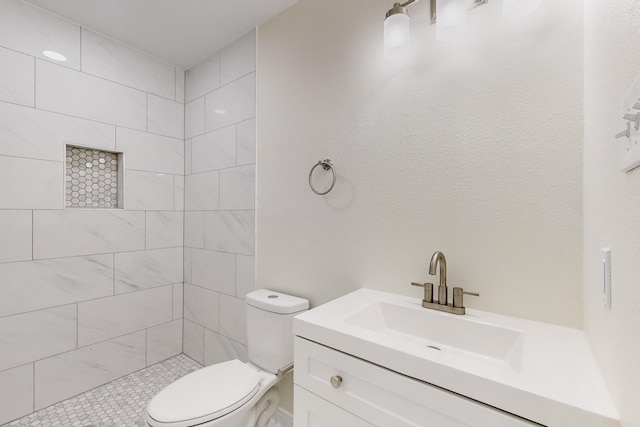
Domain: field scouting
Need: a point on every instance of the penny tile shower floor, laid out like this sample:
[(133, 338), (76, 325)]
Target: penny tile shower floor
[(120, 403)]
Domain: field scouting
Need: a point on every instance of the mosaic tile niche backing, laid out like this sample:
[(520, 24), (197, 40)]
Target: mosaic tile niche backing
[(92, 178)]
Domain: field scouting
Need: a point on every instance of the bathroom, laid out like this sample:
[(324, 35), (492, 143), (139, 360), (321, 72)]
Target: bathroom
[(497, 150)]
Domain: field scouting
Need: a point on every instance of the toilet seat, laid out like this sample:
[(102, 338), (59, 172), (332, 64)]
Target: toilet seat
[(204, 395)]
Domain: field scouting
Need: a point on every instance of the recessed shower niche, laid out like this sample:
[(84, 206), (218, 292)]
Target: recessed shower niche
[(93, 178)]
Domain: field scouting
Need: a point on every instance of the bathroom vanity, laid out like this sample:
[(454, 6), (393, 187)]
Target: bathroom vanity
[(372, 358)]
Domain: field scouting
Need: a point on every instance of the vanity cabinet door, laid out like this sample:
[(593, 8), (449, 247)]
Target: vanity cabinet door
[(385, 398), (312, 411)]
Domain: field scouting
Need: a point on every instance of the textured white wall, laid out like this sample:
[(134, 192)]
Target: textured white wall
[(472, 149), (612, 199)]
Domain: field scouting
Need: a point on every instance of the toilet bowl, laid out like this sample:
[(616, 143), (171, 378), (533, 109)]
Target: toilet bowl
[(235, 393)]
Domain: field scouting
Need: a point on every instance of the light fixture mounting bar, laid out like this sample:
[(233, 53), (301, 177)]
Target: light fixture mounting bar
[(474, 4)]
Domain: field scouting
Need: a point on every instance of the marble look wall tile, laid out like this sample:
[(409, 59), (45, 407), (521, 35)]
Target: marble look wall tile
[(16, 389), (245, 275), (178, 300), (237, 100), (34, 285), (164, 229), (218, 348), (201, 306), (193, 340), (194, 229), (15, 235), (17, 77), (165, 117), (149, 152), (31, 184), (27, 132), (180, 82), (62, 90), (112, 60), (147, 269), (230, 231), (106, 318), (214, 150), (213, 270), (164, 341), (233, 318), (31, 30), (148, 191), (194, 118), (238, 188), (201, 191), (203, 78), (36, 335), (77, 232), (68, 374), (178, 192), (238, 59), (246, 142), (188, 169)]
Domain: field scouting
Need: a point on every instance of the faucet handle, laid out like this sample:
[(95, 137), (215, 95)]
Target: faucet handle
[(428, 290), (458, 293)]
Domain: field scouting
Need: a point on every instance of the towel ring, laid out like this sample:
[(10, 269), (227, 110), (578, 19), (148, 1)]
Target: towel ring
[(326, 165)]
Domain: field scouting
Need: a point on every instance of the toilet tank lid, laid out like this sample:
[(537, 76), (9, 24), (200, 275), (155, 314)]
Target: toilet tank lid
[(276, 302)]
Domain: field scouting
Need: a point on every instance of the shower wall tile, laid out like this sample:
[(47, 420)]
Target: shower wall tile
[(238, 188), (201, 306), (106, 318), (149, 152), (147, 269), (35, 285), (15, 236), (165, 117), (178, 192), (203, 78), (193, 340), (16, 389), (214, 150), (37, 134), (164, 341), (164, 229), (112, 60), (218, 348), (213, 270), (188, 150), (194, 118), (68, 374), (230, 231), (36, 335), (180, 80), (237, 100), (233, 319), (238, 59), (187, 264), (16, 77), (245, 275), (178, 300), (194, 229), (62, 90), (23, 189), (202, 191), (60, 233), (246, 142), (30, 30), (148, 191)]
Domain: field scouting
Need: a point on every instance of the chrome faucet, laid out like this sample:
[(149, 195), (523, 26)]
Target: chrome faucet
[(427, 302)]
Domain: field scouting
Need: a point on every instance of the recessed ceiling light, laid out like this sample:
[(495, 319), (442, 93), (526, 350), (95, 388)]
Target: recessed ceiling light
[(220, 111), (54, 55)]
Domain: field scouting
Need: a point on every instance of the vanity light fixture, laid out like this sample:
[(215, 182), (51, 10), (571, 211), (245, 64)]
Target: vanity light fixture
[(397, 34), (54, 55), (451, 24), (518, 8)]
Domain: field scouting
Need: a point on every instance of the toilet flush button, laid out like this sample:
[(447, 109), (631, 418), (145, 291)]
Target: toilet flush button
[(272, 296)]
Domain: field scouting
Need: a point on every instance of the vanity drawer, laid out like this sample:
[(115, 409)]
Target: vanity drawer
[(386, 398), (313, 411)]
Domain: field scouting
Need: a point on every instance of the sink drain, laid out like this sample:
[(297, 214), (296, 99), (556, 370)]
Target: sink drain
[(434, 347)]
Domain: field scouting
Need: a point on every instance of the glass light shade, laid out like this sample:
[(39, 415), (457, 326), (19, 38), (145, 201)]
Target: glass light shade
[(518, 8), (396, 36), (451, 19)]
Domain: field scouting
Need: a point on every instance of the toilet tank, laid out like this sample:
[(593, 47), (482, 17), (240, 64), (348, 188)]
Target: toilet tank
[(270, 327)]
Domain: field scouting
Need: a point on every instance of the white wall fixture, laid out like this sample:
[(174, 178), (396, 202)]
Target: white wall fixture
[(630, 135), (397, 32), (451, 24), (606, 277), (514, 9)]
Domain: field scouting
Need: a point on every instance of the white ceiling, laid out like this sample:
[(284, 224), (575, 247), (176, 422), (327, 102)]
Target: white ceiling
[(182, 32)]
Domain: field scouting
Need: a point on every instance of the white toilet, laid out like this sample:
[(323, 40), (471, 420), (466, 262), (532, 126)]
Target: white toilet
[(233, 393)]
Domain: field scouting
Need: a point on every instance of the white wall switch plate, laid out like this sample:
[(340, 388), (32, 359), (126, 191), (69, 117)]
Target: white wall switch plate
[(630, 146), (606, 277)]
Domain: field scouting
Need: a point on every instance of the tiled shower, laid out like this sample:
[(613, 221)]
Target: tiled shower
[(89, 295)]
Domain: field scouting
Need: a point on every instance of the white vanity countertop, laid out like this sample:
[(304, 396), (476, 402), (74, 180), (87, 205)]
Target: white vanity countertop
[(555, 381)]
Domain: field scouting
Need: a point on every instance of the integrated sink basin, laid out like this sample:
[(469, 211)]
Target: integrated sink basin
[(462, 336)]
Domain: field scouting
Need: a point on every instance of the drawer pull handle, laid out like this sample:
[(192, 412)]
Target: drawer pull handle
[(336, 381)]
